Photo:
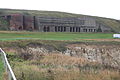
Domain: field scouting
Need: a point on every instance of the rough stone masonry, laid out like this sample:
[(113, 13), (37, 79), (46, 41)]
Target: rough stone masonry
[(54, 24)]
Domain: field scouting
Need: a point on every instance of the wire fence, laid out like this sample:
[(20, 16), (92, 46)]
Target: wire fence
[(11, 75)]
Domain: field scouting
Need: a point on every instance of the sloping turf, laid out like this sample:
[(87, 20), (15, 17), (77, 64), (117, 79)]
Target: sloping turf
[(1, 69), (7, 35)]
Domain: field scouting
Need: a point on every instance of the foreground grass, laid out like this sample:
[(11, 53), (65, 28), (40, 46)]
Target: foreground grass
[(53, 66), (1, 69), (8, 35), (59, 67)]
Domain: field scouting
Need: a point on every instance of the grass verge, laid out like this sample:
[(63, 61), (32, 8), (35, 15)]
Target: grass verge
[(8, 35), (1, 69)]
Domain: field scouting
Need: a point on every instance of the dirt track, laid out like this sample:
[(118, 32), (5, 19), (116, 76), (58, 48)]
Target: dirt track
[(117, 40)]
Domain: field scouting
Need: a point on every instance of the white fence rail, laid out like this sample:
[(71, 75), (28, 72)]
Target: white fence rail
[(7, 66)]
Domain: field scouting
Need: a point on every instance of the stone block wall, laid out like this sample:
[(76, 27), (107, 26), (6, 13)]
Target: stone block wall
[(55, 24), (28, 22), (16, 22)]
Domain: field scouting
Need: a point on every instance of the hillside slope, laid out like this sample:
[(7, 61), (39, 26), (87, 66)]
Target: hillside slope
[(63, 60), (114, 24)]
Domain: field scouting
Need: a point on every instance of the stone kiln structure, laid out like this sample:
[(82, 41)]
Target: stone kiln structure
[(54, 24)]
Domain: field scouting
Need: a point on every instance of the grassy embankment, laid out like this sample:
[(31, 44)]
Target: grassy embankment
[(1, 69), (53, 66), (7, 35)]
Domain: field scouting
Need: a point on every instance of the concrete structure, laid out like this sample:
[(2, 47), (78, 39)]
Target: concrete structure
[(73, 24), (28, 22), (15, 21), (55, 24)]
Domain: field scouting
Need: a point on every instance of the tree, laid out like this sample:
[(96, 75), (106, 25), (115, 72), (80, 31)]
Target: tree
[(3, 24), (99, 29)]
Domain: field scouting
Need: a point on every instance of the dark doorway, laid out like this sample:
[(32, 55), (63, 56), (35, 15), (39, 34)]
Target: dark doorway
[(70, 29), (55, 28), (64, 29), (20, 28), (79, 29), (61, 28), (46, 29), (73, 29)]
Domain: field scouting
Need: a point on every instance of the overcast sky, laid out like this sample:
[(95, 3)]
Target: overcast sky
[(102, 8)]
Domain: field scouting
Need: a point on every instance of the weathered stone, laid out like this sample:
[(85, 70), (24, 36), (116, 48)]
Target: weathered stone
[(55, 24)]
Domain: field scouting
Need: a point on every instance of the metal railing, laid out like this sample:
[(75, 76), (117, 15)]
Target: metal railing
[(11, 75)]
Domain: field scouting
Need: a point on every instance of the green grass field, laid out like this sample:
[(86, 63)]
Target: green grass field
[(1, 68), (7, 35)]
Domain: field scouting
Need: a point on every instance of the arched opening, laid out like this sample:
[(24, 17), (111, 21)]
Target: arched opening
[(61, 28), (58, 28), (48, 29), (64, 29), (44, 29), (79, 29), (84, 30), (94, 30), (55, 28), (91, 30), (70, 29), (20, 28)]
